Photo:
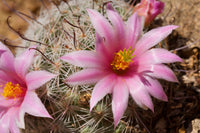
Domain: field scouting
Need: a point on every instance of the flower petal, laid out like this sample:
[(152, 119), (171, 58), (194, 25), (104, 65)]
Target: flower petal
[(152, 38), (33, 106), (5, 77), (86, 76), (2, 51), (163, 72), (119, 100), (159, 71), (3, 128), (23, 62), (8, 102), (20, 119), (158, 7), (157, 56), (35, 79), (6, 59), (13, 126), (82, 58), (156, 90), (139, 93), (99, 44), (9, 76), (134, 29), (8, 121), (101, 25), (116, 20), (103, 87), (4, 124), (101, 50), (142, 8), (118, 26)]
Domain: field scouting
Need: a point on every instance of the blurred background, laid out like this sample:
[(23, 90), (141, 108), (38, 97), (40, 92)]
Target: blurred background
[(8, 7)]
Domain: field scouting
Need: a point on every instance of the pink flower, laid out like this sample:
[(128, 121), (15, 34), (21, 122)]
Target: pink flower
[(149, 9), (17, 90), (123, 62)]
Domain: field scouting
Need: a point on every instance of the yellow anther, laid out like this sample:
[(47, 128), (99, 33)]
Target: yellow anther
[(12, 91), (122, 59)]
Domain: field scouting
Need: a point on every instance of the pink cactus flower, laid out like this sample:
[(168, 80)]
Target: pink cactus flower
[(17, 90), (149, 9), (123, 62)]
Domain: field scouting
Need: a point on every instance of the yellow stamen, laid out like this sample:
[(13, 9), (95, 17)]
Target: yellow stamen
[(12, 91), (122, 59)]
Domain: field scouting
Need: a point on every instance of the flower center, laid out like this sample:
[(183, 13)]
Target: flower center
[(12, 91), (122, 59)]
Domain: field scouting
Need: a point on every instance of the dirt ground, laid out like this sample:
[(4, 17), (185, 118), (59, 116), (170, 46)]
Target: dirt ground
[(182, 113), (29, 7), (183, 105)]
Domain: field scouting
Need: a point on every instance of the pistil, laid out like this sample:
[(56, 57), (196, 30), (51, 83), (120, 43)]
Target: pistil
[(122, 59), (12, 91)]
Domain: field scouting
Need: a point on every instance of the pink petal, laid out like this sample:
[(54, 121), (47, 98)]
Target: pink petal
[(35, 79), (157, 8), (101, 50), (82, 58), (9, 76), (159, 71), (9, 102), (4, 78), (20, 119), (101, 25), (118, 24), (139, 93), (33, 106), (99, 43), (2, 111), (119, 100), (6, 59), (86, 76), (152, 38), (4, 124), (134, 28), (2, 51), (23, 62), (156, 90), (163, 72), (102, 88), (157, 56), (13, 126), (116, 20), (8, 121), (142, 8), (3, 129)]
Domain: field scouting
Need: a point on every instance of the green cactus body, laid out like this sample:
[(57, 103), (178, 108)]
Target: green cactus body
[(64, 29)]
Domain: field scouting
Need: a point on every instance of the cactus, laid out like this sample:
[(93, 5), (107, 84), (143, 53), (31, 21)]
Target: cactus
[(65, 28)]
